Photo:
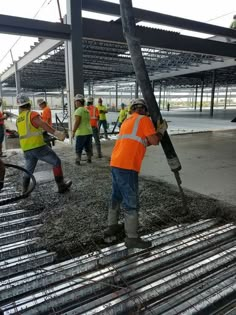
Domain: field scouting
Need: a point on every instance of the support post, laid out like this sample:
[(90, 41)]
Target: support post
[(74, 56), (195, 103), (201, 97), (136, 90), (213, 92), (116, 96), (226, 96), (160, 95), (17, 79)]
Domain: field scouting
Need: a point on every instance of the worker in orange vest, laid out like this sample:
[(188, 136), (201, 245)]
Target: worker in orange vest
[(46, 116), (94, 117), (136, 133)]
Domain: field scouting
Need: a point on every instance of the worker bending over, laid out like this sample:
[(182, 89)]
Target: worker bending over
[(136, 133)]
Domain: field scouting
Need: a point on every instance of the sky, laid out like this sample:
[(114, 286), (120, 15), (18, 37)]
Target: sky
[(12, 47)]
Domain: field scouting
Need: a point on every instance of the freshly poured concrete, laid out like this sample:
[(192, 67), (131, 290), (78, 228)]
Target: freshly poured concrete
[(208, 163)]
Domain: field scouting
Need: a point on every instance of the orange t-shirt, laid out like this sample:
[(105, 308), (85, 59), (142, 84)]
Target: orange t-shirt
[(129, 153), (94, 115), (47, 116)]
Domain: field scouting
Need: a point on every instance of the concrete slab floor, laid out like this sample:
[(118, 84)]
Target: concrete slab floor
[(208, 163)]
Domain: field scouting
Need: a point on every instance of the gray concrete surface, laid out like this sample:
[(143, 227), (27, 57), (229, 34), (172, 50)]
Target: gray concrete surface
[(206, 148), (208, 163)]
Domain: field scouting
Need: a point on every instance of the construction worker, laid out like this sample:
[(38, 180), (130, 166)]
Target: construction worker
[(102, 117), (82, 130), (46, 116), (122, 115), (94, 117), (136, 133), (30, 125), (3, 117), (233, 24)]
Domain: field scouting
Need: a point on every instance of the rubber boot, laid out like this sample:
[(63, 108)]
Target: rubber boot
[(78, 158), (99, 152), (62, 185), (26, 182), (89, 157), (132, 239), (113, 227)]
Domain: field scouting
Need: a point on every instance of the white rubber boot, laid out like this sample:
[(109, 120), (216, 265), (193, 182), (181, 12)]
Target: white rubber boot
[(113, 227), (132, 239)]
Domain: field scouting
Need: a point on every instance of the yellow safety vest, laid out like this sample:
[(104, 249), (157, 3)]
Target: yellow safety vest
[(30, 137)]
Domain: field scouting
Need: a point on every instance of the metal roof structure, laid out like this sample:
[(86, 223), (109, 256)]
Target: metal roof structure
[(170, 57)]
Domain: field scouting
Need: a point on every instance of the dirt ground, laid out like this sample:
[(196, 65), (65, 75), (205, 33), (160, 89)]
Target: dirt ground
[(73, 223)]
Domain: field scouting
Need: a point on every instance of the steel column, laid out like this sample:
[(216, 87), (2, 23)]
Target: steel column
[(226, 96), (136, 89), (213, 92), (0, 89), (17, 79), (160, 94), (74, 56), (195, 104), (116, 95), (201, 97)]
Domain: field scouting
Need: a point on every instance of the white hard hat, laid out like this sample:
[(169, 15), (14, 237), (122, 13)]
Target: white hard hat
[(138, 102), (90, 99), (40, 101), (79, 97), (22, 99)]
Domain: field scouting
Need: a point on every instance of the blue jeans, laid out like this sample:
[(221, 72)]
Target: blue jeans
[(125, 189), (44, 153), (103, 123)]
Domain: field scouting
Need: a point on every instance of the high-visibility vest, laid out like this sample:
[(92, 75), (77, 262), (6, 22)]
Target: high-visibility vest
[(131, 144), (133, 134), (93, 117), (30, 136)]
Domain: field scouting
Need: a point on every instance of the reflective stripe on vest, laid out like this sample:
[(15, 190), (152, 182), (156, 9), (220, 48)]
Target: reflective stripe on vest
[(28, 133), (94, 113), (133, 134), (30, 137)]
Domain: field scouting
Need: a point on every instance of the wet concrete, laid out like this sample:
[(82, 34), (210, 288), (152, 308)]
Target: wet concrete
[(74, 222)]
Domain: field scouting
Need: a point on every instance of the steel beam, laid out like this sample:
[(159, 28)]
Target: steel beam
[(30, 27), (112, 32), (42, 48), (158, 18)]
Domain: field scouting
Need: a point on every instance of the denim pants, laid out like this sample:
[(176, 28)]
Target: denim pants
[(83, 142), (125, 189), (44, 153), (103, 123)]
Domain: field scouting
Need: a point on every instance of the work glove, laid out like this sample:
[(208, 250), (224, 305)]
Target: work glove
[(59, 135), (162, 127)]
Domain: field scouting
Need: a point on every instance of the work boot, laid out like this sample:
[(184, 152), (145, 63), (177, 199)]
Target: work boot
[(89, 157), (132, 239), (78, 159), (99, 151), (62, 185), (26, 182), (113, 230), (113, 227)]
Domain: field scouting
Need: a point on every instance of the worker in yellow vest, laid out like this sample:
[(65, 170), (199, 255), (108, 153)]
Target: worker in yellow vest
[(102, 117), (122, 115), (30, 128)]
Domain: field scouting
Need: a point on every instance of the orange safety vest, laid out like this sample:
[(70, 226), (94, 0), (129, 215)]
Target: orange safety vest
[(131, 144), (94, 115)]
